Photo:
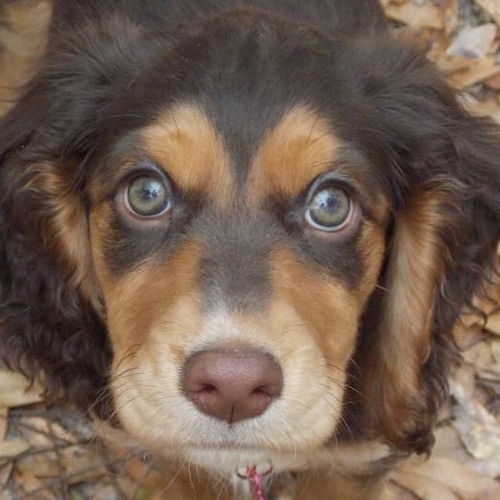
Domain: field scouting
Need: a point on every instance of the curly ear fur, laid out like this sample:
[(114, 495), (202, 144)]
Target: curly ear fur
[(47, 322), (444, 183), (50, 308), (441, 247)]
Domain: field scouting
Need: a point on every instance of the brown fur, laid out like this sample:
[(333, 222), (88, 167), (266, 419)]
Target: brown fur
[(244, 116)]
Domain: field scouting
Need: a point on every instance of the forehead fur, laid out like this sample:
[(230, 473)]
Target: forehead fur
[(185, 143), (298, 149)]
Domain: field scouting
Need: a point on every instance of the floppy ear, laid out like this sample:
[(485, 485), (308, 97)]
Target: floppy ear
[(49, 325), (406, 359), (50, 308), (441, 249)]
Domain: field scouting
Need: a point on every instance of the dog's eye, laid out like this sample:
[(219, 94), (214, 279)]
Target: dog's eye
[(147, 196), (330, 209)]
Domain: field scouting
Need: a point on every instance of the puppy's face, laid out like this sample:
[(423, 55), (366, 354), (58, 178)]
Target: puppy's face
[(213, 207), (234, 284)]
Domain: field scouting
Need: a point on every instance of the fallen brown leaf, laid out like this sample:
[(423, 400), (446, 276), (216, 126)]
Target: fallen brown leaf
[(478, 71), (442, 479), (11, 448), (4, 414), (81, 464), (450, 15), (42, 465), (493, 323), (5, 472), (425, 15), (450, 64), (31, 484), (493, 82), (15, 390), (478, 429), (467, 335), (479, 355), (492, 7), (474, 42), (41, 432)]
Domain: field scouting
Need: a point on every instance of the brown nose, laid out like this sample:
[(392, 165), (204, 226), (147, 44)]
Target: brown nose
[(232, 384)]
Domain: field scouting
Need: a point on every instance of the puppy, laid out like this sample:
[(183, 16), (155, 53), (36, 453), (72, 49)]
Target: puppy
[(242, 231)]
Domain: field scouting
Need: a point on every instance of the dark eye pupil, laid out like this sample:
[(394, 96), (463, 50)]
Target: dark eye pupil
[(329, 209), (148, 196)]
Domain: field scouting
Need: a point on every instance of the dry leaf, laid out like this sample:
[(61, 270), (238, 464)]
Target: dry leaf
[(448, 444), (442, 479), (468, 335), (493, 323), (42, 465), (31, 483), (486, 108), (474, 42), (41, 432), (478, 429), (104, 491), (450, 15), (15, 391), (492, 372), (4, 413), (492, 7), (36, 431), (450, 64), (465, 376), (480, 356), (5, 472), (81, 464), (478, 71), (493, 82), (426, 15), (11, 448), (495, 349)]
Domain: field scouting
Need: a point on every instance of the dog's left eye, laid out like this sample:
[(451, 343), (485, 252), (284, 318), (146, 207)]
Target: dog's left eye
[(330, 209), (147, 196)]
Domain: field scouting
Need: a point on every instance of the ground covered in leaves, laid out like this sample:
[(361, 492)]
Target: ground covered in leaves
[(52, 453)]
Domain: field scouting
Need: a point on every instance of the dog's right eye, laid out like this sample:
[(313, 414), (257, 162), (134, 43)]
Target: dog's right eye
[(148, 197)]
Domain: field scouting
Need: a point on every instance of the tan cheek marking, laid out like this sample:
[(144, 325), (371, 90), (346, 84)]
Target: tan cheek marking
[(329, 312), (297, 150), (184, 142), (150, 293)]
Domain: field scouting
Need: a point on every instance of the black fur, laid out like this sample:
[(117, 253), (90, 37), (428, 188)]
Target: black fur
[(113, 65)]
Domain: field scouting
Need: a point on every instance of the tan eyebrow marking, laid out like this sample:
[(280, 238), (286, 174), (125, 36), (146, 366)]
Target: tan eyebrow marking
[(185, 143), (298, 149)]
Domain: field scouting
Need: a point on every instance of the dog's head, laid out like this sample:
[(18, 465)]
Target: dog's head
[(247, 235)]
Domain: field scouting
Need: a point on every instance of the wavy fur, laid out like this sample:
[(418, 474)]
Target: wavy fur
[(440, 168)]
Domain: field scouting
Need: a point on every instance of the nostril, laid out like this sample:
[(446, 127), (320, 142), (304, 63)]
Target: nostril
[(266, 390), (209, 388)]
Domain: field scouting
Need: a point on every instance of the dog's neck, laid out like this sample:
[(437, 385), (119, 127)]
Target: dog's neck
[(356, 469)]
